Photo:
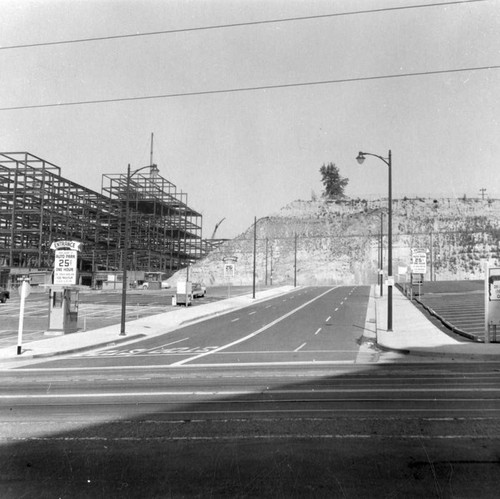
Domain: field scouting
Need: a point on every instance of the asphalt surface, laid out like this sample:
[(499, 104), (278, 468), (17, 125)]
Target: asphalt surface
[(430, 430), (314, 324), (237, 421)]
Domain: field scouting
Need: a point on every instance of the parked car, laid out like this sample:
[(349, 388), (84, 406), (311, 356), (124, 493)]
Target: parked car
[(198, 290), (164, 285), (4, 295)]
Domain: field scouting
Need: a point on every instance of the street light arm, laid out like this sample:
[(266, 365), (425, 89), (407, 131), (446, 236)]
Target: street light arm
[(153, 168), (361, 157)]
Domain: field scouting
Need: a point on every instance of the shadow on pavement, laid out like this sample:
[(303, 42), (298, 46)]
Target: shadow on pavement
[(331, 432)]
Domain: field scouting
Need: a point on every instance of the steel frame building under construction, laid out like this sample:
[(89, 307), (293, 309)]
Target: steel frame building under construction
[(38, 206)]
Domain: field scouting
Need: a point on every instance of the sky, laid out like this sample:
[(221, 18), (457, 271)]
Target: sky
[(250, 112)]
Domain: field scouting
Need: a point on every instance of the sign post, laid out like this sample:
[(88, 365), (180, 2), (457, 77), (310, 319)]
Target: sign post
[(25, 292), (418, 261), (418, 268), (229, 266)]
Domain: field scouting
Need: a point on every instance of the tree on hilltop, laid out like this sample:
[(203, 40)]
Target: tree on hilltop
[(333, 182)]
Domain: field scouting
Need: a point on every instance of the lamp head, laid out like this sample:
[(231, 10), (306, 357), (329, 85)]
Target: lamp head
[(360, 158), (154, 171)]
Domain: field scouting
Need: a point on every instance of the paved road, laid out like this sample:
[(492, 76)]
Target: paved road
[(267, 401), (342, 431), (314, 324)]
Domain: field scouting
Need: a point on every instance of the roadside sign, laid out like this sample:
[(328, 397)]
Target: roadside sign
[(65, 267), (418, 261), (228, 269), (491, 301), (493, 286)]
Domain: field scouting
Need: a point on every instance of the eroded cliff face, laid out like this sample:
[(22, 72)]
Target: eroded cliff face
[(339, 242)]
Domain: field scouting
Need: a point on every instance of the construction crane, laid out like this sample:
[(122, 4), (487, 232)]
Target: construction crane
[(216, 227)]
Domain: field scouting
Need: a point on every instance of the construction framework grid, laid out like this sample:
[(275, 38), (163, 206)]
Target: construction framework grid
[(38, 206)]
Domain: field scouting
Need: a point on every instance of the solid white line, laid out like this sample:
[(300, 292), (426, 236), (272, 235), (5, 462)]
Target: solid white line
[(319, 329), (225, 393), (255, 333), (313, 363), (303, 345)]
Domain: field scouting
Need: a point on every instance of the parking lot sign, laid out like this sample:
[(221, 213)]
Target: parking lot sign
[(491, 300), (418, 261), (65, 267)]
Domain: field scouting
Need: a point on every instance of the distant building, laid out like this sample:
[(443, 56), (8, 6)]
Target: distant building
[(38, 206)]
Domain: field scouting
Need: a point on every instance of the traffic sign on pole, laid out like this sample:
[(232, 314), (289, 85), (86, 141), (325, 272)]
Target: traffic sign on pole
[(418, 261)]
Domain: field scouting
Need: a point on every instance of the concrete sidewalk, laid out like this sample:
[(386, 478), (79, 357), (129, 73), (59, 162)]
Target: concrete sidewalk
[(146, 327), (413, 332)]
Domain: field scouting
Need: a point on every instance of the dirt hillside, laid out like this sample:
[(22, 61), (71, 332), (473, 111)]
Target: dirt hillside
[(338, 242)]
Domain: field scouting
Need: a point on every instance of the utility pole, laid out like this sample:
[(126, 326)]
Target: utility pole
[(254, 256), (483, 190), (151, 153), (295, 262), (266, 258)]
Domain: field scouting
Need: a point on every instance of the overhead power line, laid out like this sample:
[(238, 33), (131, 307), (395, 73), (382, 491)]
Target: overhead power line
[(251, 89), (236, 25)]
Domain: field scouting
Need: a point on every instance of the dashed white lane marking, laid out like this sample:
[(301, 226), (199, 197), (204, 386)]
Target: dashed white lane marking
[(336, 309), (328, 318), (319, 329), (237, 319), (255, 333), (251, 313), (303, 345)]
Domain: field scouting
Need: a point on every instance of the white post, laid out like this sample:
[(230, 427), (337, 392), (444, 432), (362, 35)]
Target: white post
[(24, 288)]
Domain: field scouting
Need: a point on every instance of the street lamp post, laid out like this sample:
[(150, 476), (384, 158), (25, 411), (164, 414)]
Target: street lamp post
[(390, 277), (381, 262), (154, 169)]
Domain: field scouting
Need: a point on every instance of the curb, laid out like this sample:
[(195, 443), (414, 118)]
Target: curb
[(402, 351)]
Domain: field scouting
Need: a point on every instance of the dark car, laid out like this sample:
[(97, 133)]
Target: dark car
[(4, 295)]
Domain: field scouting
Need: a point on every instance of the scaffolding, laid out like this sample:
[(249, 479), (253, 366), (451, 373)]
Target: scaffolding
[(38, 206)]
